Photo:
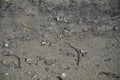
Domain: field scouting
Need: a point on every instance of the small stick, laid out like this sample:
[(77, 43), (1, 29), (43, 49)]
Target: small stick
[(18, 58), (78, 53), (59, 78)]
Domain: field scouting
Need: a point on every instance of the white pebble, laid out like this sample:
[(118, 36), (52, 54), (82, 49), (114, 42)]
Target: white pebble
[(6, 74), (28, 60), (44, 42), (63, 75), (6, 45), (83, 51)]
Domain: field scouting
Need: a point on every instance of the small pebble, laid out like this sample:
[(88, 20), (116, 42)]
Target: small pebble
[(115, 28), (28, 38), (44, 42), (6, 45), (28, 60), (6, 74), (63, 75), (83, 51)]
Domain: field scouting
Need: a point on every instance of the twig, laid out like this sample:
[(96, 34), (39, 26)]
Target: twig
[(18, 58), (78, 53), (59, 78)]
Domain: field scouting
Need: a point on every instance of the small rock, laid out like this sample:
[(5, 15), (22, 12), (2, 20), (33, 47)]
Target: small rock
[(63, 75), (6, 45), (6, 74), (28, 38), (59, 18), (44, 42), (28, 72), (115, 28), (83, 52), (28, 60)]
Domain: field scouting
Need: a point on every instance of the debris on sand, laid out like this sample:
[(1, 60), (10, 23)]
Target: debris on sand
[(115, 28), (109, 74), (24, 30), (63, 75), (7, 0), (6, 45), (61, 19), (84, 29), (6, 73), (80, 52), (44, 42), (28, 61), (18, 60), (59, 78)]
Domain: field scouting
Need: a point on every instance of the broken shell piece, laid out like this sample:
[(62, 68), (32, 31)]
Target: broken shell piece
[(44, 42)]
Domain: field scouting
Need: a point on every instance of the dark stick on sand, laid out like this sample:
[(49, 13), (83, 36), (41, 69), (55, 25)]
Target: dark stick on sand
[(78, 53), (18, 58)]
